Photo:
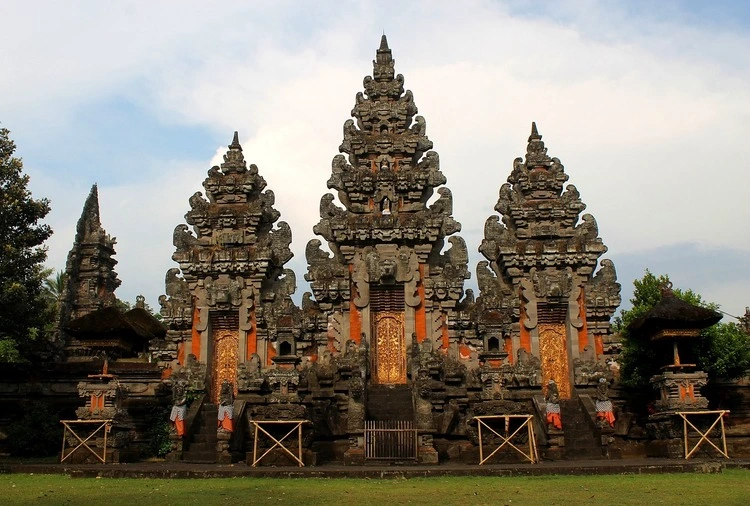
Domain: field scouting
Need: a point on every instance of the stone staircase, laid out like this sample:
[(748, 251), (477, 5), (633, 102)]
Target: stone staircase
[(582, 440), (201, 448), (389, 402)]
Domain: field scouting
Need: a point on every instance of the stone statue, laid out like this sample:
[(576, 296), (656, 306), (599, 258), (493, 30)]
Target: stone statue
[(604, 412), (179, 407), (553, 405), (226, 409)]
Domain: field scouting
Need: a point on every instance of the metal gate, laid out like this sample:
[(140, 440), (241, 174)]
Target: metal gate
[(390, 440)]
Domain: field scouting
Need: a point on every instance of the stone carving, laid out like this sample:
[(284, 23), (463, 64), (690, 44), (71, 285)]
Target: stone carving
[(103, 396), (192, 375), (177, 303), (283, 384), (249, 375)]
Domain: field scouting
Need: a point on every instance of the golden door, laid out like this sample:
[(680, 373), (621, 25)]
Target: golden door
[(553, 351), (225, 360), (389, 357)]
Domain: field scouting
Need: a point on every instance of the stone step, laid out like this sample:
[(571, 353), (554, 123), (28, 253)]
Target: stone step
[(205, 438), (581, 440), (199, 457), (201, 447), (386, 402)]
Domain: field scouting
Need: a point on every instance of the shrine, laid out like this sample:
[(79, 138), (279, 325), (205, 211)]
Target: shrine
[(389, 357)]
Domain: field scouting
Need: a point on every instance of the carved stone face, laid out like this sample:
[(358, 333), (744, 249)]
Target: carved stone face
[(388, 269), (356, 388)]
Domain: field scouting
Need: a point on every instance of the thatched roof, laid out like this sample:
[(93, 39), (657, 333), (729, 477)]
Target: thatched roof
[(674, 313), (109, 321)]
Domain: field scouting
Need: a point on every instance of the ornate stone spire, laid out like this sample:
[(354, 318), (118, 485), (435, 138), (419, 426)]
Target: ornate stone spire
[(386, 230), (90, 276), (231, 260), (544, 249)]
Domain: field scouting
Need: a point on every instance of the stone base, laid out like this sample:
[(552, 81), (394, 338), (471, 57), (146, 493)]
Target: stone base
[(665, 449), (279, 458), (552, 453), (354, 457), (427, 455), (173, 456), (113, 456)]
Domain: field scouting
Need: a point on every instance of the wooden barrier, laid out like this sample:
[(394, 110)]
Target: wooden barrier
[(704, 435), (505, 438), (104, 425), (297, 427)]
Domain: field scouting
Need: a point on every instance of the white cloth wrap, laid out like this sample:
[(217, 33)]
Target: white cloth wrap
[(553, 407), (226, 411), (178, 413), (603, 406)]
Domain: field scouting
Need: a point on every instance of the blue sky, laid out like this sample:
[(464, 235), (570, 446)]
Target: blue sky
[(647, 104)]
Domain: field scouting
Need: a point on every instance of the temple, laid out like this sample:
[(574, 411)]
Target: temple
[(390, 357)]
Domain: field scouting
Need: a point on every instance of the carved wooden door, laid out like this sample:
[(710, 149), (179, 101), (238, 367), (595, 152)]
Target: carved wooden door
[(225, 360), (553, 351), (389, 348)]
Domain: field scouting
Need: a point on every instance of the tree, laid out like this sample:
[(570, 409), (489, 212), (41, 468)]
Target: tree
[(723, 350), (23, 310), (54, 286)]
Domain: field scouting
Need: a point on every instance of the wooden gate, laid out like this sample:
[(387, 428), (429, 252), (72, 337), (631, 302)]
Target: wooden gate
[(390, 440)]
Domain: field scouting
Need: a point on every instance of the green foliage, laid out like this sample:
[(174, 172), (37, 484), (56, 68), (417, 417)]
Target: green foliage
[(54, 286), (158, 432), (24, 312), (37, 433), (123, 305), (723, 350)]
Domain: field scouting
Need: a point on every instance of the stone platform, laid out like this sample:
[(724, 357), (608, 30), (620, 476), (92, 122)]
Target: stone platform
[(174, 470)]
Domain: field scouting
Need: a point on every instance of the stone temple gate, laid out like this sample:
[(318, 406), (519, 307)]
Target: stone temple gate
[(388, 331), (390, 356)]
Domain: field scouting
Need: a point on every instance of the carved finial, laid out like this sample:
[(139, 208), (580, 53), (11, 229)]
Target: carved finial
[(89, 222), (536, 153), (235, 142), (383, 66), (666, 288), (383, 43), (234, 161)]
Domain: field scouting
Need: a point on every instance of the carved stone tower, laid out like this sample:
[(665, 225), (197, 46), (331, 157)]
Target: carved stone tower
[(90, 276), (232, 305), (540, 271), (387, 282)]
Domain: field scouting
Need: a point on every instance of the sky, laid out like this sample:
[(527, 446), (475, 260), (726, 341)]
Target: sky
[(646, 104)]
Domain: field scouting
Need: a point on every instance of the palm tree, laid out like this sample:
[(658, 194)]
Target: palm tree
[(54, 287)]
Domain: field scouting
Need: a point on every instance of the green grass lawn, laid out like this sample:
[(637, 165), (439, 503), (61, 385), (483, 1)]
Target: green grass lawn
[(732, 487)]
